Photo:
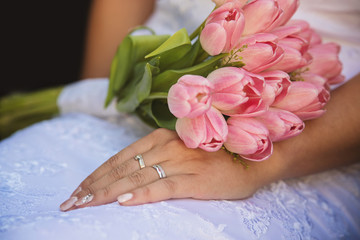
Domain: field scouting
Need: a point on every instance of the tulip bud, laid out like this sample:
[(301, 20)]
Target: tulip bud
[(223, 29), (237, 92), (326, 62), (208, 131), (289, 7), (304, 99), (260, 53), (249, 138), (281, 124), (277, 86), (190, 96), (261, 16)]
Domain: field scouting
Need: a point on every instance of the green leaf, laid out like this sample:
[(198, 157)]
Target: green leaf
[(173, 49), (137, 90), (156, 113), (132, 50), (163, 81), (188, 59)]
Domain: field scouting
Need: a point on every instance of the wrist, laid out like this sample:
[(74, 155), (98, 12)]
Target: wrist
[(270, 170)]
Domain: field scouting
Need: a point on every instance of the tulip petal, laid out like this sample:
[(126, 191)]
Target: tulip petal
[(213, 38), (191, 131)]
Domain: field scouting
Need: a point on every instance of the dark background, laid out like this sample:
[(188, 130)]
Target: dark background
[(42, 42)]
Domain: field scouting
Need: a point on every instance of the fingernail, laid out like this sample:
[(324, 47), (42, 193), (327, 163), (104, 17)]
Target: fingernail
[(125, 197), (84, 200), (68, 203)]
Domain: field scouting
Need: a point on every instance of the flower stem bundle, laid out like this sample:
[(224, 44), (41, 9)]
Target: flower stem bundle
[(20, 110)]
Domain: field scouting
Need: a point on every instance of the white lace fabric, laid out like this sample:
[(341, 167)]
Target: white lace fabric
[(42, 164)]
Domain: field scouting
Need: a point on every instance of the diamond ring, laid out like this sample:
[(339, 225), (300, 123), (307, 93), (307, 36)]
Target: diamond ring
[(140, 159)]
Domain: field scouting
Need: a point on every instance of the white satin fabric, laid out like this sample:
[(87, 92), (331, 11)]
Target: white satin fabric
[(42, 164)]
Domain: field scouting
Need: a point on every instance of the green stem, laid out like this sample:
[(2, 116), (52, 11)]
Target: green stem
[(157, 95), (236, 157), (197, 31)]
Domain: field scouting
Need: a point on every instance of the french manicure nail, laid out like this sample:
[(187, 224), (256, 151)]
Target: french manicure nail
[(68, 203), (125, 197), (84, 200)]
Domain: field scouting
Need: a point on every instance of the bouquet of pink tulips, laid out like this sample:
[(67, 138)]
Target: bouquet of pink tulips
[(247, 77)]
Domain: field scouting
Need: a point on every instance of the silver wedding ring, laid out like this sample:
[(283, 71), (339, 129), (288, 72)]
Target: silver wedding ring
[(140, 159), (160, 171)]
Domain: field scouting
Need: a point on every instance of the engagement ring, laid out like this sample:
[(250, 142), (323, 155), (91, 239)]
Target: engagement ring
[(140, 159)]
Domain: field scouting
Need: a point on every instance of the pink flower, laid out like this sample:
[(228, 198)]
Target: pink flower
[(281, 124), (261, 16), (293, 27), (190, 96), (294, 45), (276, 87), (249, 138), (315, 79), (223, 29), (305, 99), (208, 131), (237, 92), (326, 62), (261, 52), (293, 59), (289, 7)]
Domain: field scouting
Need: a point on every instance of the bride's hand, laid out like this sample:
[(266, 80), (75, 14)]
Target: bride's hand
[(190, 173)]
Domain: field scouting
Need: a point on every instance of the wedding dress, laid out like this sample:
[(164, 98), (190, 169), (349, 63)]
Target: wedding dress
[(42, 164)]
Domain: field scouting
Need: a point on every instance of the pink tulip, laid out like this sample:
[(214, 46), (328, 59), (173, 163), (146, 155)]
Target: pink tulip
[(237, 92), (301, 29), (326, 62), (314, 79), (208, 131), (305, 99), (223, 29), (281, 124), (293, 59), (249, 138), (190, 96), (293, 27), (312, 37), (260, 53), (277, 86), (295, 46), (289, 7), (261, 16)]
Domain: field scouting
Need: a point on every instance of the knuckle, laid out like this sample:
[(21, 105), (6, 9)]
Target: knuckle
[(173, 144), (137, 178), (90, 189), (106, 191), (159, 132), (118, 172), (170, 185), (113, 161)]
